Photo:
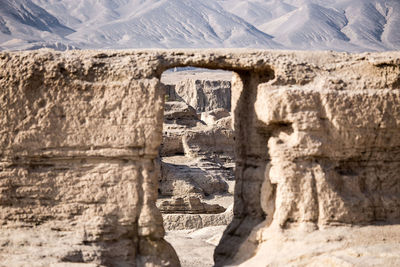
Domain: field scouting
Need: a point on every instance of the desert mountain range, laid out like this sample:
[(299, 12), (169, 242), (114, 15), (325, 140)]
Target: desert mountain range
[(344, 25)]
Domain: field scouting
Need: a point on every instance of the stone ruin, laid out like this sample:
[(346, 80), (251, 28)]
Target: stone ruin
[(317, 147)]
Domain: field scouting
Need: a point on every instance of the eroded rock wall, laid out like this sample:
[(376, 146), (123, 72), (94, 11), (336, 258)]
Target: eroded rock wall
[(317, 147), (79, 135), (205, 95)]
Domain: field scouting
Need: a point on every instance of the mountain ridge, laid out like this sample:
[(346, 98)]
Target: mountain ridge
[(344, 25)]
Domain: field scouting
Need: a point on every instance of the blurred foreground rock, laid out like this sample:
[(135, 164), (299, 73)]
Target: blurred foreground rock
[(316, 151)]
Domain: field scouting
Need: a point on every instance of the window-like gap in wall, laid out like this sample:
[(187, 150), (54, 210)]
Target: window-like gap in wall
[(197, 161)]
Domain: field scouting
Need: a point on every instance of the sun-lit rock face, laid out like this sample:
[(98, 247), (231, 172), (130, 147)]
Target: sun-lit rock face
[(316, 144), (205, 95)]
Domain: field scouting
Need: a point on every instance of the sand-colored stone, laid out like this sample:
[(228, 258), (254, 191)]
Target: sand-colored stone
[(205, 95), (193, 177), (212, 117), (189, 205), (184, 221), (316, 141), (196, 159)]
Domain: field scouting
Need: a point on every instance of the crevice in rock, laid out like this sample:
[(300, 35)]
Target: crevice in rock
[(251, 163)]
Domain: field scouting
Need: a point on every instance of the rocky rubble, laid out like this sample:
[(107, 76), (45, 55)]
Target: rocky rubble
[(184, 221), (197, 157), (189, 205), (204, 95), (201, 177)]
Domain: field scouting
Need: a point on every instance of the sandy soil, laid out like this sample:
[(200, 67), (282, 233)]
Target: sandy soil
[(196, 248)]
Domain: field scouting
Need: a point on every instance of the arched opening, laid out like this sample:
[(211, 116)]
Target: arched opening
[(196, 182)]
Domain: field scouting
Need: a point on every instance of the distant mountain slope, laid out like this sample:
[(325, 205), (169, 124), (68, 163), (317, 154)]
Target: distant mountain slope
[(374, 24), (24, 22), (345, 25), (155, 23), (257, 12), (178, 23), (316, 26)]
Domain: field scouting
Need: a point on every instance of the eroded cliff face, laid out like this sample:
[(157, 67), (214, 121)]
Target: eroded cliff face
[(317, 147), (79, 135)]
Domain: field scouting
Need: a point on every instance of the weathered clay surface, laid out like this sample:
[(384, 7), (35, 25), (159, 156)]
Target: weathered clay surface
[(196, 157), (197, 221), (79, 135), (324, 149), (197, 165), (194, 177), (178, 117), (204, 95), (189, 205), (212, 117), (209, 141), (316, 141)]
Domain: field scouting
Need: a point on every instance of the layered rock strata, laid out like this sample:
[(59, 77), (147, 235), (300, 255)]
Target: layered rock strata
[(79, 136), (184, 221), (189, 205), (197, 160), (204, 95), (316, 143), (197, 149)]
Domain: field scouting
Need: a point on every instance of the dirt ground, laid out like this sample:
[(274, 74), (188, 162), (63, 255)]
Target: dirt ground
[(195, 248)]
